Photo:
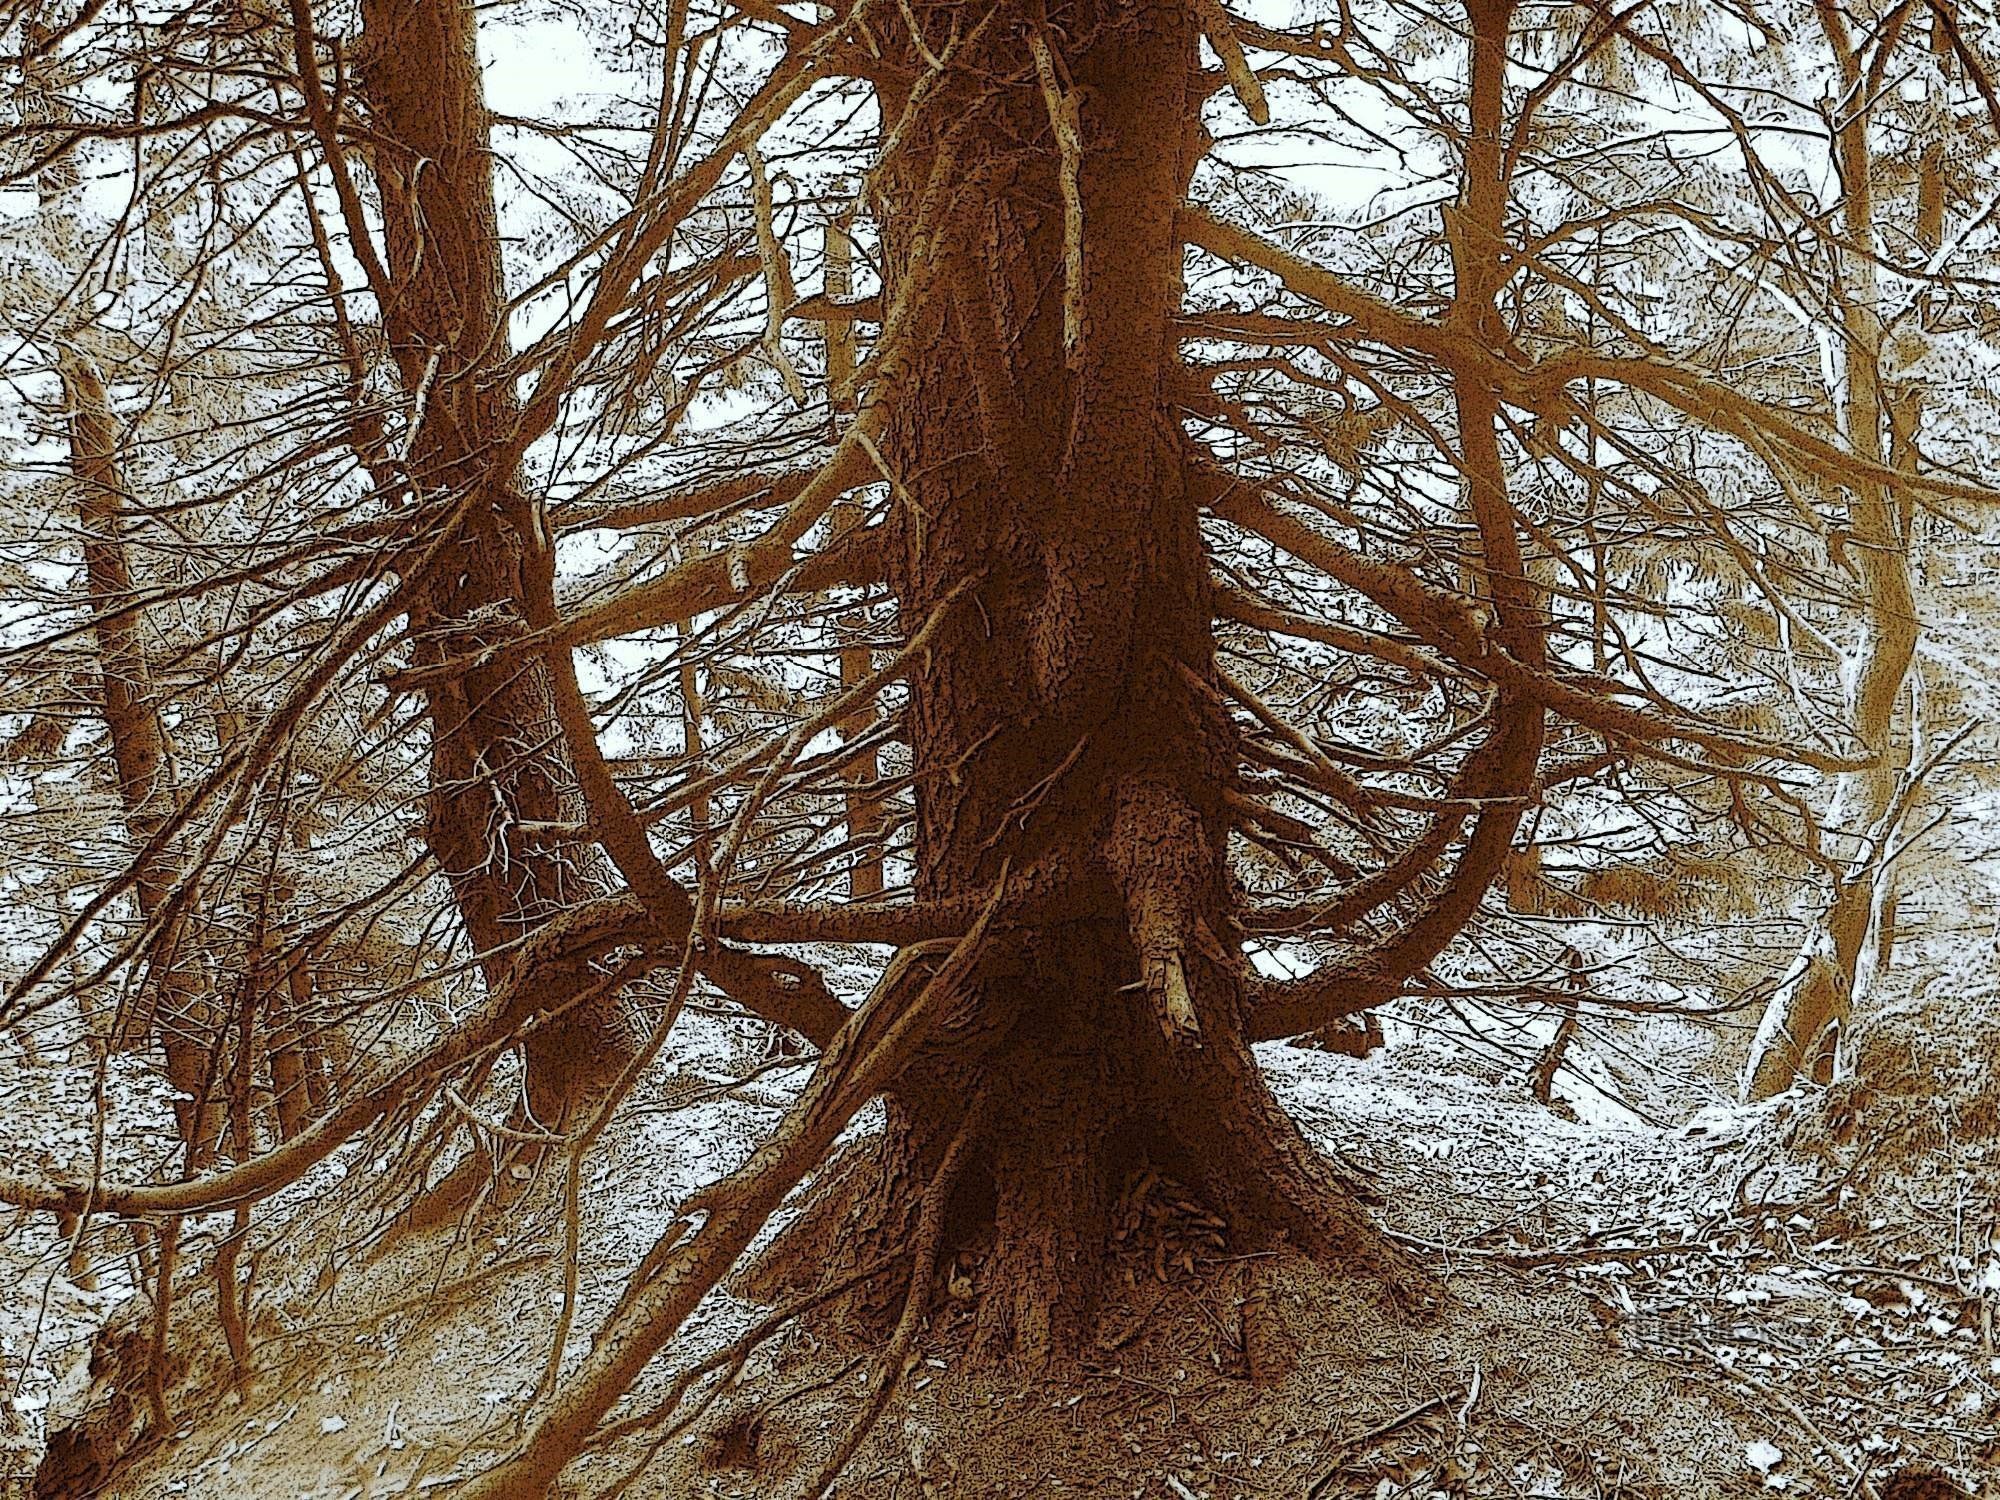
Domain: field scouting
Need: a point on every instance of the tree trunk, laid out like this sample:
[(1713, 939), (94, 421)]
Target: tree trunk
[(1801, 1024), (497, 752), (1066, 726), (171, 1004)]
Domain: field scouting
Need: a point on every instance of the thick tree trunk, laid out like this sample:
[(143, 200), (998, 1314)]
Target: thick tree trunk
[(1067, 729), (497, 751)]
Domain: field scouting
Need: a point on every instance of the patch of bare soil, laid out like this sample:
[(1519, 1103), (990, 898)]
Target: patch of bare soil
[(1235, 1379), (1770, 1299)]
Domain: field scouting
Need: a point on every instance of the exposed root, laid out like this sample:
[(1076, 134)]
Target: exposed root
[(923, 1268), (858, 1210), (1051, 1162), (1355, 1391)]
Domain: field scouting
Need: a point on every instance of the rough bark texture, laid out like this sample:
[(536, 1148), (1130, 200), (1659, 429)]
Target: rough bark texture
[(1067, 728), (864, 812), (497, 752)]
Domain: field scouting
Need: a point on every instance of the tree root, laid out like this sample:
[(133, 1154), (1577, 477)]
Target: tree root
[(923, 1267)]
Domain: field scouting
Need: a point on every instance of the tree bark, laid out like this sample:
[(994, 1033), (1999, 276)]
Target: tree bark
[(497, 752), (1068, 730), (1835, 964), (864, 813)]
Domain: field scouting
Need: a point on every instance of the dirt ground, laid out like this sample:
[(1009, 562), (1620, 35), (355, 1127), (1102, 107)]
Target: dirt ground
[(1798, 1297)]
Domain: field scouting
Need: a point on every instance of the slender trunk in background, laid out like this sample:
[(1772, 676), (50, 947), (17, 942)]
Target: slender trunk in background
[(864, 811), (1906, 419), (295, 1052), (1800, 1028), (170, 1005)]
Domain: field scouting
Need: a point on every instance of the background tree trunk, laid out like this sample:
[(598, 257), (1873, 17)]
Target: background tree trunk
[(497, 751), (169, 1006), (1836, 961)]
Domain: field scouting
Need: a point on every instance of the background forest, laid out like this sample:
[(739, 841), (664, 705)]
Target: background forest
[(973, 747)]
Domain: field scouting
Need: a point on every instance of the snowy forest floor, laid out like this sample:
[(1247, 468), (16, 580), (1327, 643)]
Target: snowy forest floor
[(1798, 1297)]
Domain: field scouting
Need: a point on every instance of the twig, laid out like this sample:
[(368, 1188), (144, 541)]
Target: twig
[(1371, 1436), (1553, 1255), (1779, 1399)]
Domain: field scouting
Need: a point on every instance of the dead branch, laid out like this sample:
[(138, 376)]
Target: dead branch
[(877, 1040)]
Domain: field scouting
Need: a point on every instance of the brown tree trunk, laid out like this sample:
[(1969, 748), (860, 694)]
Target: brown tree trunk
[(1043, 498), (171, 1004), (293, 1055), (497, 752), (1800, 1027)]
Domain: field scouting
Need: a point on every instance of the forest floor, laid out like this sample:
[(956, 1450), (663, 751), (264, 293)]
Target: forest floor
[(1798, 1297)]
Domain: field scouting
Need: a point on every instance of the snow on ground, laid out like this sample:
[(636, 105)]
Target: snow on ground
[(1846, 1342)]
